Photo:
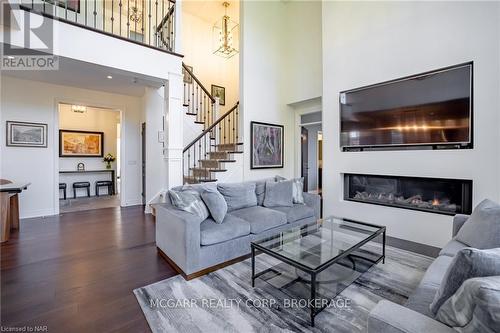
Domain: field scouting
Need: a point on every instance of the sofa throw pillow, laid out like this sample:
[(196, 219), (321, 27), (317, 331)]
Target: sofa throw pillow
[(468, 263), (475, 307), (298, 189), (238, 195), (196, 187), (189, 201), (215, 203), (279, 194), (260, 190), (482, 228)]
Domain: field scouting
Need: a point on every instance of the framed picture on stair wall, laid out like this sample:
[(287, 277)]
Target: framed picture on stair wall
[(220, 92), (267, 149)]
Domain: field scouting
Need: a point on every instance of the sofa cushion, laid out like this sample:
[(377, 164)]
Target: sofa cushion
[(189, 201), (298, 189), (260, 190), (421, 298), (216, 204), (452, 248), (436, 271), (475, 306), (468, 263), (232, 227), (279, 194), (296, 212), (482, 229), (238, 195), (260, 218)]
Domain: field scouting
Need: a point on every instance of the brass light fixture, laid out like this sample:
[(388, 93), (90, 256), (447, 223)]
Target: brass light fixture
[(79, 108), (224, 32)]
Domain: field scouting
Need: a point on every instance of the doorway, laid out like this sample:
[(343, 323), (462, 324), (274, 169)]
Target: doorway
[(87, 136), (311, 155), (143, 163)]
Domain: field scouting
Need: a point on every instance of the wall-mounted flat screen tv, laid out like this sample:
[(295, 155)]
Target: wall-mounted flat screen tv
[(428, 110)]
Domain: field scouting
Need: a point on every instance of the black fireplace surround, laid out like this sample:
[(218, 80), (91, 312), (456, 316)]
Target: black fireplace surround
[(433, 195)]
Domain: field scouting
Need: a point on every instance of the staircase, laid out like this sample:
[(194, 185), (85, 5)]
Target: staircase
[(210, 152)]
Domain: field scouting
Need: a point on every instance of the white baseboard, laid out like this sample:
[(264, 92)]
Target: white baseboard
[(37, 213)]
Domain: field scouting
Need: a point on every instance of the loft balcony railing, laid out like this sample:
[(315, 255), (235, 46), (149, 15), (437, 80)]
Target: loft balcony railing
[(147, 22)]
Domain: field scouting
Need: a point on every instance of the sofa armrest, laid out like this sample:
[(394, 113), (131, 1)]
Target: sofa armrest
[(389, 317), (458, 222), (178, 236), (314, 201)]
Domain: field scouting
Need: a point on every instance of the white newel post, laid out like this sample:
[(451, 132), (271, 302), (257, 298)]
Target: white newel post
[(217, 110), (173, 130)]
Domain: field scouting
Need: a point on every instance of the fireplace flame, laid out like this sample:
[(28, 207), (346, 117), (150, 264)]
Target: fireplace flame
[(435, 202)]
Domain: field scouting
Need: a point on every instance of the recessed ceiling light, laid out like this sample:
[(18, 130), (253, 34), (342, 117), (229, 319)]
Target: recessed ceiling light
[(109, 77)]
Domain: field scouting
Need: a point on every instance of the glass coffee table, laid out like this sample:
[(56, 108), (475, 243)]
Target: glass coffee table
[(317, 261)]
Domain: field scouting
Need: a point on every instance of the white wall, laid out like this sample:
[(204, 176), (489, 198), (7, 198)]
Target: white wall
[(302, 56), (263, 31), (154, 104), (370, 42), (40, 165), (280, 65), (208, 67)]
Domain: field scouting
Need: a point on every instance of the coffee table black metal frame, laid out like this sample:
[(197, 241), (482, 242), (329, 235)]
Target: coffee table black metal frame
[(314, 272)]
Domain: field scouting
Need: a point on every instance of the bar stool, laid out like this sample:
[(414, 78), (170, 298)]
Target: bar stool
[(81, 185), (62, 186), (106, 183)]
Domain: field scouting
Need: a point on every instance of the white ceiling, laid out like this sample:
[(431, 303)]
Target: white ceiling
[(211, 10), (84, 75)]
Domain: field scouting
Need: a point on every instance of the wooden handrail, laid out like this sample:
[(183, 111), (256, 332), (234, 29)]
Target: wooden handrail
[(218, 121), (165, 18), (198, 82)]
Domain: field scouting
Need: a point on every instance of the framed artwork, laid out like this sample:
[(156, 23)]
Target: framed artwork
[(187, 78), (267, 145), (80, 143), (23, 134), (218, 91)]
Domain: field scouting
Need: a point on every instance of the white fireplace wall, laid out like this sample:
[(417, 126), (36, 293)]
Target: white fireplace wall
[(366, 43)]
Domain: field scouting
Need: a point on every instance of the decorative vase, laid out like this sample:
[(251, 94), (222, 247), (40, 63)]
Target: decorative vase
[(108, 165)]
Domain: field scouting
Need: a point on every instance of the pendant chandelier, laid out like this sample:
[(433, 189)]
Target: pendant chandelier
[(224, 33)]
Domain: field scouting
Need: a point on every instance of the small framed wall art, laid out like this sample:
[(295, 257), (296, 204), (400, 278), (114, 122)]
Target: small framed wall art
[(24, 134)]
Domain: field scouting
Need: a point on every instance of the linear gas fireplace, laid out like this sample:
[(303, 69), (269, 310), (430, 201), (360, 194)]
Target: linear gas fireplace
[(434, 195)]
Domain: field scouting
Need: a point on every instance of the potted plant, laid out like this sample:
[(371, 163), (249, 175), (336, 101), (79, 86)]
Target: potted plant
[(108, 159)]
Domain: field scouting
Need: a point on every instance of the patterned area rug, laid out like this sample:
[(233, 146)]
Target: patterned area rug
[(224, 301)]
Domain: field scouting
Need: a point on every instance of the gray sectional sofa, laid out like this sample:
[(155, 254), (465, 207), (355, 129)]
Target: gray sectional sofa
[(196, 246), (415, 315)]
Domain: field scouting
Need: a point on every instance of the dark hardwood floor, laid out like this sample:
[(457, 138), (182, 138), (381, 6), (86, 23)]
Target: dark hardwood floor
[(76, 272)]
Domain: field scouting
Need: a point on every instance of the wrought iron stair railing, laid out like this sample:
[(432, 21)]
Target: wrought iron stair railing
[(197, 99), (207, 154), (147, 22)]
